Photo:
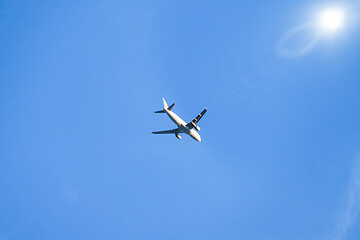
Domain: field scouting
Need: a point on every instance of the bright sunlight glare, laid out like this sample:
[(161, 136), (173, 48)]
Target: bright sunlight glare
[(331, 19)]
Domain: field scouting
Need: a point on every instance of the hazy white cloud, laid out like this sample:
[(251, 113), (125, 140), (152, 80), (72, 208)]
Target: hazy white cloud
[(351, 212), (299, 40)]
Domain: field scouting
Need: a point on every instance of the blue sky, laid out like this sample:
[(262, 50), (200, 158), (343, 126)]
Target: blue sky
[(79, 81)]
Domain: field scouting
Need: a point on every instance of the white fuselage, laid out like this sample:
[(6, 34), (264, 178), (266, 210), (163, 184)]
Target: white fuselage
[(182, 125)]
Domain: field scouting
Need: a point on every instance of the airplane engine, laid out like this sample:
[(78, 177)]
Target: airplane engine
[(178, 135), (195, 126)]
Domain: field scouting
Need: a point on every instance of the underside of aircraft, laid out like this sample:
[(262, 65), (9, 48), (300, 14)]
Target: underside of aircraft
[(183, 127)]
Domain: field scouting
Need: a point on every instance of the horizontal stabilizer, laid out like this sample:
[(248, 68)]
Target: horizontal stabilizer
[(169, 108), (161, 111)]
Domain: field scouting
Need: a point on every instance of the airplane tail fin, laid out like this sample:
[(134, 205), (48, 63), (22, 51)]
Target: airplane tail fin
[(166, 106)]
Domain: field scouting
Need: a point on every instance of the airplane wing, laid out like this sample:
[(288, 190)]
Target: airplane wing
[(176, 130), (197, 119)]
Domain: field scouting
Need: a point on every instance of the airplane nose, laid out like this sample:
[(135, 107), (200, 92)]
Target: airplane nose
[(195, 135)]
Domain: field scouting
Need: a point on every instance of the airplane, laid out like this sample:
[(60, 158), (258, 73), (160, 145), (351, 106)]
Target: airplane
[(183, 127)]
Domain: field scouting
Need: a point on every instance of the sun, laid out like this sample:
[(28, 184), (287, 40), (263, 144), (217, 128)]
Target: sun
[(331, 19)]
